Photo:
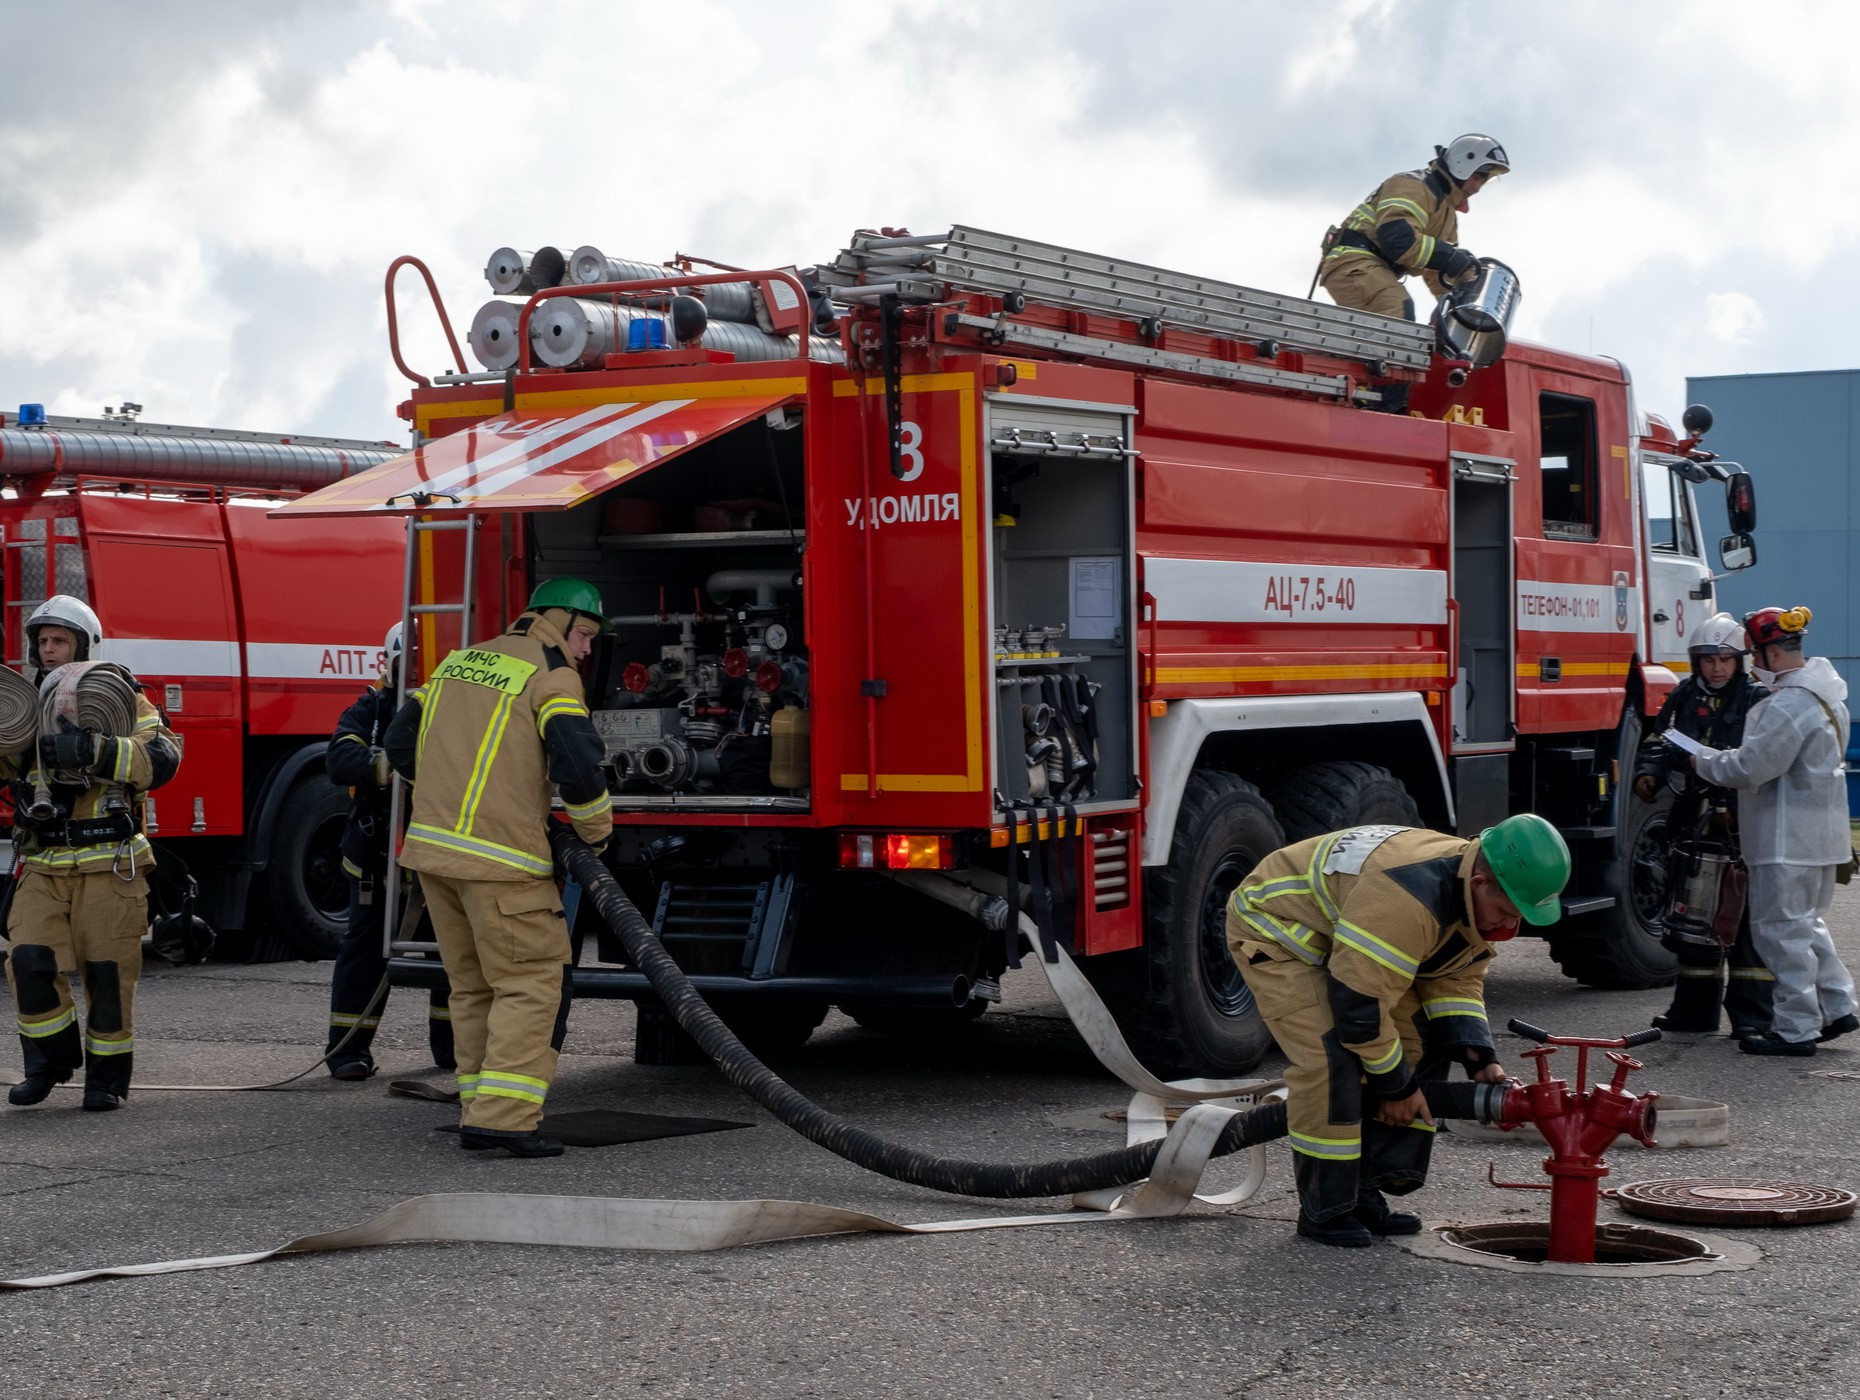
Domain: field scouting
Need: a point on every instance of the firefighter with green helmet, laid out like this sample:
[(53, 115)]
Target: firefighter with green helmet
[(1367, 950), (495, 728)]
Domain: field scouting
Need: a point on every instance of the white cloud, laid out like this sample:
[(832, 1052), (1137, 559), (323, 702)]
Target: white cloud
[(1733, 317)]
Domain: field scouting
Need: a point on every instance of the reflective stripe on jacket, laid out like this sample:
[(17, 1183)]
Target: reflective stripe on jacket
[(1412, 219), (483, 740)]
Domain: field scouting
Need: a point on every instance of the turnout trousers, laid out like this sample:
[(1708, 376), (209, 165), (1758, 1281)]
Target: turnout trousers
[(505, 947), (1362, 282), (360, 966), (1788, 924), (88, 926), (1334, 1151), (1702, 986)]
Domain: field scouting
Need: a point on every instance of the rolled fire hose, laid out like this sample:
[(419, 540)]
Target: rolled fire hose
[(19, 712), (998, 1180), (94, 695)]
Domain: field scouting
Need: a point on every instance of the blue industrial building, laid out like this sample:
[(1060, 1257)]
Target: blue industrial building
[(1799, 434)]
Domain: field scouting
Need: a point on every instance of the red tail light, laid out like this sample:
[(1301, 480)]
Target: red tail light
[(861, 850)]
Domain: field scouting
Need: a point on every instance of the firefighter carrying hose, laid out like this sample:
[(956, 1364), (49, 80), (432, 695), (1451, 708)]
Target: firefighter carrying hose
[(81, 906), (356, 760), (483, 740), (1709, 705), (1366, 951)]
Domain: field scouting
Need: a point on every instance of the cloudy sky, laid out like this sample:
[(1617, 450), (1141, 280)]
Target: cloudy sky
[(198, 197)]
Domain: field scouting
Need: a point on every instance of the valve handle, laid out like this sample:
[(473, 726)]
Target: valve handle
[(1646, 1037), (1528, 1031), (1625, 1061), (1544, 1037)]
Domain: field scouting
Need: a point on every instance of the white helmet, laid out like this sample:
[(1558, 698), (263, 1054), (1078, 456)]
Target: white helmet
[(1718, 635), (392, 646), (1467, 155), (72, 614)]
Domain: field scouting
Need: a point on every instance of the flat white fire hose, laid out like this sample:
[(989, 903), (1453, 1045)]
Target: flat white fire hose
[(686, 1226)]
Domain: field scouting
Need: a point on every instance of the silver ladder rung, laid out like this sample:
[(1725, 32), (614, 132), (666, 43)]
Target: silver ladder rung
[(427, 527), (432, 609)]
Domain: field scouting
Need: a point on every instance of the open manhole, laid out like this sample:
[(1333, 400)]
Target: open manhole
[(1621, 1250), (1735, 1201)]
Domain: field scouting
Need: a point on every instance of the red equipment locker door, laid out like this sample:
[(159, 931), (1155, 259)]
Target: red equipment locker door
[(161, 585)]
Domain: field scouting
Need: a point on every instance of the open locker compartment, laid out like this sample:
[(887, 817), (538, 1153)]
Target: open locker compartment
[(701, 690)]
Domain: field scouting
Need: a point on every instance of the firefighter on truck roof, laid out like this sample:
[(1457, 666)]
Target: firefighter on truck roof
[(356, 760), (482, 741), (81, 906), (1367, 951)]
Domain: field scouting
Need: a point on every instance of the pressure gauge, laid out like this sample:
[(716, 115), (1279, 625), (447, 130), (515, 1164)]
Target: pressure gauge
[(776, 636)]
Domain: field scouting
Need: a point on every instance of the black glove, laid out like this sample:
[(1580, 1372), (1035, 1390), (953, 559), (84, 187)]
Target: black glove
[(70, 749), (1456, 263)]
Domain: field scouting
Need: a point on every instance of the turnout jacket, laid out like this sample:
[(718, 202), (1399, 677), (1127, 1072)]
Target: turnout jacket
[(140, 762), (350, 763), (1376, 912), (1410, 222), (1790, 771), (483, 740), (1715, 718)]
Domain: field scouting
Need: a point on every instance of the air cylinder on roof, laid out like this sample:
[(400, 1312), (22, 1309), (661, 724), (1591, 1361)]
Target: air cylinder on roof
[(511, 270)]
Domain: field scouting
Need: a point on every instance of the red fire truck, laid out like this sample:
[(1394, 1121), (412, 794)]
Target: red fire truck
[(253, 634), (1048, 569)]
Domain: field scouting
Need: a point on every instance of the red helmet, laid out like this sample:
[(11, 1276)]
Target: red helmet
[(1770, 626)]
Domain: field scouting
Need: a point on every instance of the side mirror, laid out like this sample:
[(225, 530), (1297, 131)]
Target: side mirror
[(1736, 553), (1740, 503)]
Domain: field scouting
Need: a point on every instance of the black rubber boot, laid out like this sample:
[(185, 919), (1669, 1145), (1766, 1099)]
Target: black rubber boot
[(1846, 1025), (1344, 1231), (1373, 1214), (35, 1088), (1773, 1044), (516, 1144), (1696, 995), (101, 1101)]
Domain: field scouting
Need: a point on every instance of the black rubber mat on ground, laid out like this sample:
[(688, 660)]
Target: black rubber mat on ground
[(604, 1127)]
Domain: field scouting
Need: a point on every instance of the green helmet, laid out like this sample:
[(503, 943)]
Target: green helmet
[(577, 595), (1531, 862)]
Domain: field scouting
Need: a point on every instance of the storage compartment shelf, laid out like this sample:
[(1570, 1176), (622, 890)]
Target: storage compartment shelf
[(707, 539)]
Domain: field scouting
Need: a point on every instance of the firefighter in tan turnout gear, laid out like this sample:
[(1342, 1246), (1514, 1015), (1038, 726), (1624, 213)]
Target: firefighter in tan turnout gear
[(1367, 951), (483, 741), (81, 906)]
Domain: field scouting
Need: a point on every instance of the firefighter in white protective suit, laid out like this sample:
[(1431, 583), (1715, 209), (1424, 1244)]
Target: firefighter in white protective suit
[(1790, 773)]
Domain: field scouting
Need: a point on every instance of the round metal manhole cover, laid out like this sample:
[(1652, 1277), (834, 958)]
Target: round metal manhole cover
[(1735, 1201)]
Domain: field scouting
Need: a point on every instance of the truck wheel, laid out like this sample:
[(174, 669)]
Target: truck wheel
[(1180, 999), (1620, 948), (1327, 797), (305, 890)]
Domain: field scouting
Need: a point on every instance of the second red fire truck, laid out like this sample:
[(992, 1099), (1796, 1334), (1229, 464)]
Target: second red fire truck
[(1080, 581)]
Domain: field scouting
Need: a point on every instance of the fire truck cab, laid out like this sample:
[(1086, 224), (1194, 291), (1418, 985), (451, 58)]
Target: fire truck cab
[(1082, 584)]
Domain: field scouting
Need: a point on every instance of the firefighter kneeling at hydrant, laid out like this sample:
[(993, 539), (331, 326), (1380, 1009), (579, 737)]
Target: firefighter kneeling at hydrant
[(482, 741), (1367, 951), (82, 903)]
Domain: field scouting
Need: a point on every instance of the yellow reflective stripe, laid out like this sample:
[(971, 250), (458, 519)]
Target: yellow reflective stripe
[(125, 755), (468, 1086), (349, 867), (512, 1086), (429, 705), (151, 721), (1707, 972), (1424, 250), (350, 739), (37, 1030), (1396, 202), (1421, 1126), (1361, 940), (1438, 1007), (1348, 1149), (439, 1013), (1750, 974), (477, 846), (1294, 938), (581, 811), (352, 1018), (1382, 1064), (1275, 889), (1314, 876), (558, 705), (64, 859), (94, 1046), (481, 764)]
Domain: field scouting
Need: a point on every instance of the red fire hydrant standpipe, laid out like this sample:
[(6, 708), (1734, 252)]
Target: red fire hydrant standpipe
[(1579, 1125)]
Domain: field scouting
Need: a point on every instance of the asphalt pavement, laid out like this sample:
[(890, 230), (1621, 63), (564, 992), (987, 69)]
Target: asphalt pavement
[(1214, 1303)]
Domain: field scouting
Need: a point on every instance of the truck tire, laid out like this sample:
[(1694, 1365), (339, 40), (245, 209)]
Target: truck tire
[(1620, 948), (1327, 797), (306, 892), (1180, 999)]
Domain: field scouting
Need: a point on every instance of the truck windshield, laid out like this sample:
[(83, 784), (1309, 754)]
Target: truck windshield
[(1669, 510)]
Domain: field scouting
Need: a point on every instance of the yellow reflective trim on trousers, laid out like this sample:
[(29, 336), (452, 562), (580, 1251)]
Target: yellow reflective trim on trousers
[(512, 1086), (439, 1013), (1706, 972), (1382, 1064), (1348, 1149), (477, 846), (1361, 940), (1751, 974), (468, 1086), (1438, 1007), (352, 1018), (109, 1047), (38, 1030), (481, 765), (581, 811)]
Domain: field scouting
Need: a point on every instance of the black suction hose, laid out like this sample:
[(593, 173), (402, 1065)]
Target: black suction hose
[(999, 1180)]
